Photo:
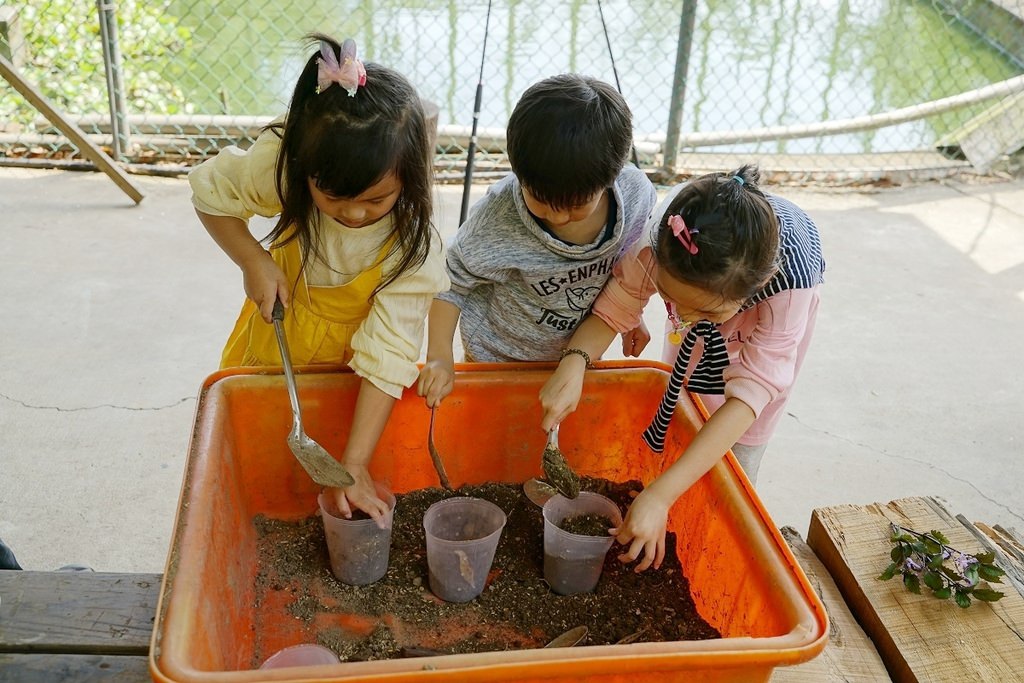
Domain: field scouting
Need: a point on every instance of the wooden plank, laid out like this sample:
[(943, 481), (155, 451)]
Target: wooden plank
[(76, 134), (77, 612), (850, 655), (74, 668), (919, 637)]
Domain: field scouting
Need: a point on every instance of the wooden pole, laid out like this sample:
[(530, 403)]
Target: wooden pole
[(73, 132)]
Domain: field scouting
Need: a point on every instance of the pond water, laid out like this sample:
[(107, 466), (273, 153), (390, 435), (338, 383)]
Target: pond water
[(753, 63)]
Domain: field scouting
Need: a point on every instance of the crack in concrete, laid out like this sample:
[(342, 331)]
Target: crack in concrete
[(926, 463), (61, 409)]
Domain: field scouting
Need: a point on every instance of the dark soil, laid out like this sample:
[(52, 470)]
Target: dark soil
[(399, 616), (586, 525)]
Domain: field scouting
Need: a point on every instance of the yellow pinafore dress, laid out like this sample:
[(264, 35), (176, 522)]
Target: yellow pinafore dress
[(319, 323)]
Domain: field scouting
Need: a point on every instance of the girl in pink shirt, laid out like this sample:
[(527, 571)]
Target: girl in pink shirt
[(739, 272)]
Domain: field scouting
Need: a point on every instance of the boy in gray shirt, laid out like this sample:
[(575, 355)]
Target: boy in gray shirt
[(536, 250)]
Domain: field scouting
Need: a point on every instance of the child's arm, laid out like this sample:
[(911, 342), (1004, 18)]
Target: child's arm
[(262, 278), (437, 378), (644, 527), (618, 308), (373, 408), (561, 393)]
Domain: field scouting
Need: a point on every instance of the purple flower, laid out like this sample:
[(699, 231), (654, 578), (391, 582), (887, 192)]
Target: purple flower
[(963, 562)]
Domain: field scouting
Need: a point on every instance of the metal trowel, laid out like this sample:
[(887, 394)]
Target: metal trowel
[(317, 462), (556, 470)]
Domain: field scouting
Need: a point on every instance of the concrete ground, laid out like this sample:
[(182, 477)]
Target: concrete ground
[(114, 313)]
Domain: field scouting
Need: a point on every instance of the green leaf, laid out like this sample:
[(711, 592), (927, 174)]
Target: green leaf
[(986, 594), (972, 574), (912, 583), (952, 574), (990, 572), (936, 562), (944, 593), (933, 547), (933, 581), (939, 536), (897, 554), (889, 572), (962, 599), (985, 558)]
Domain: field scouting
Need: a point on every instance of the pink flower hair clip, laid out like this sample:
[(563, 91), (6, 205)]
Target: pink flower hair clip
[(349, 73), (683, 234)]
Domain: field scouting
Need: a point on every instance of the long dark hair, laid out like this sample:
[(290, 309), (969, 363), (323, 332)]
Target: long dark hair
[(349, 143), (735, 230)]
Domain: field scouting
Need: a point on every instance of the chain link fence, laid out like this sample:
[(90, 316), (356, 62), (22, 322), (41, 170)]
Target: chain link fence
[(829, 89)]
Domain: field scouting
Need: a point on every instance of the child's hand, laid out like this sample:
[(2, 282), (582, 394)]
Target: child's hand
[(361, 495), (644, 531), (437, 379), (561, 393), (635, 341), (264, 283)]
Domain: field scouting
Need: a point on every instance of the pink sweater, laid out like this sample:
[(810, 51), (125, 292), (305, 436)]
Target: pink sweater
[(766, 342)]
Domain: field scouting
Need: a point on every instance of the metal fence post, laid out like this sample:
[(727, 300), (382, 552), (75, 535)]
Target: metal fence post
[(675, 111), (115, 84)]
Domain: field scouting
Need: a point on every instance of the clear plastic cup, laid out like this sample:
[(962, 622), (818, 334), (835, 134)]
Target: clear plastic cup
[(462, 535), (573, 562), (359, 549), (300, 655)]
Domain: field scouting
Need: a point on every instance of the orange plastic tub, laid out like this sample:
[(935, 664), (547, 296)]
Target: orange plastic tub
[(743, 578)]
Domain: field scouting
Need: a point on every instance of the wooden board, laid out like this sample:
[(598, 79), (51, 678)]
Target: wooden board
[(73, 132), (919, 637), (77, 612), (76, 668), (850, 655)]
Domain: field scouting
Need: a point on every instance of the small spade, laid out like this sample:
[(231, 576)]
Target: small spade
[(557, 470)]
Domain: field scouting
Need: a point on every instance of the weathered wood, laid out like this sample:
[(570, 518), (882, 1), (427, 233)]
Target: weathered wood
[(1008, 539), (74, 668), (919, 637), (850, 655), (76, 134), (77, 612)]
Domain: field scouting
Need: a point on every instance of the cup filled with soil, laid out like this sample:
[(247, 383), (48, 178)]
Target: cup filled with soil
[(576, 540), (462, 535), (358, 547)]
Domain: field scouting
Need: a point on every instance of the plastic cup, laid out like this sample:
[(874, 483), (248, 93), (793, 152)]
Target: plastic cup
[(359, 549), (573, 562), (462, 535), (300, 655)]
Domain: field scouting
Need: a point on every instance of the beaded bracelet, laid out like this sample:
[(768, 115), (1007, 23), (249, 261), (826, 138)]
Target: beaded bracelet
[(578, 352)]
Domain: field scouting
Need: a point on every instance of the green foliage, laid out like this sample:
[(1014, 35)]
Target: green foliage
[(63, 55), (947, 572)]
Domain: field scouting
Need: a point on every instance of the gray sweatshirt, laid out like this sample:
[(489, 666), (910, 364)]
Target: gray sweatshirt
[(522, 291)]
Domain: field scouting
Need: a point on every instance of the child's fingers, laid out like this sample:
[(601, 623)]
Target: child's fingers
[(283, 294), (341, 500), (267, 310), (442, 386)]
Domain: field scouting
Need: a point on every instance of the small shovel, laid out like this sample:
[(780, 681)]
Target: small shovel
[(317, 462), (435, 457), (557, 470)]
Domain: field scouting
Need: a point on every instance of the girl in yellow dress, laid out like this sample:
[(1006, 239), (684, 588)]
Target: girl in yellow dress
[(353, 256)]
